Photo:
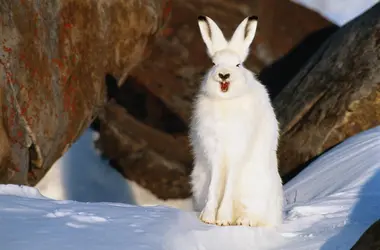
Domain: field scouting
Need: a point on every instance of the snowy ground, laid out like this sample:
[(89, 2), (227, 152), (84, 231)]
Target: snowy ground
[(328, 206), (338, 11)]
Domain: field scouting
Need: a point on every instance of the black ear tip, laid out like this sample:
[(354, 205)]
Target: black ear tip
[(253, 18), (202, 18)]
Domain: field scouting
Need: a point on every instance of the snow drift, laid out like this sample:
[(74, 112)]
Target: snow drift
[(328, 205)]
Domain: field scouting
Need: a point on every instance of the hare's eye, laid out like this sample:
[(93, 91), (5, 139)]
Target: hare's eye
[(238, 65), (213, 63)]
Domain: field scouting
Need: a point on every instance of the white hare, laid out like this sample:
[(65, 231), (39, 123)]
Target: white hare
[(234, 136)]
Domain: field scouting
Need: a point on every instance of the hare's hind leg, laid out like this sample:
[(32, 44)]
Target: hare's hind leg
[(260, 200), (253, 217), (250, 209)]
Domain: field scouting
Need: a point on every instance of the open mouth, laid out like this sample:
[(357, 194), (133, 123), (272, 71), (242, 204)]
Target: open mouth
[(224, 86)]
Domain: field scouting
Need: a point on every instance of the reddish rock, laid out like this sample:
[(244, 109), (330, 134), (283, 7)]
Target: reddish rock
[(53, 59)]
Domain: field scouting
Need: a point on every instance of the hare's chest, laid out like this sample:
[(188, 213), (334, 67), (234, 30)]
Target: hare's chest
[(224, 126)]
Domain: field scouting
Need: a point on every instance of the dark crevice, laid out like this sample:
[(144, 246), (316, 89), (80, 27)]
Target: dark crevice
[(143, 106), (115, 164), (277, 75)]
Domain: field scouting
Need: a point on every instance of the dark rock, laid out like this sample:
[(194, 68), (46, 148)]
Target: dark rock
[(336, 95), (157, 96), (370, 240)]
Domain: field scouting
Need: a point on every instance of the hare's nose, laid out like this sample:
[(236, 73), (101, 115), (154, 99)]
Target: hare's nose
[(224, 76)]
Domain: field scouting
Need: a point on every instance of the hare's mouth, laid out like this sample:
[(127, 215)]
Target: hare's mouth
[(224, 86)]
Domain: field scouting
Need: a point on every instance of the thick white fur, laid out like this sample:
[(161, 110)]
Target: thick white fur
[(234, 137)]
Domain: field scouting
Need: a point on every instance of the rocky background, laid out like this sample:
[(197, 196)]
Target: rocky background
[(143, 130), (323, 81)]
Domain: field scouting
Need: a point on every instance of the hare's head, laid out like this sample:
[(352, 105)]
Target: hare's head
[(227, 78)]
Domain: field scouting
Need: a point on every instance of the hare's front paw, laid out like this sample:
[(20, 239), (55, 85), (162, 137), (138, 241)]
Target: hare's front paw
[(251, 221), (225, 215), (208, 215)]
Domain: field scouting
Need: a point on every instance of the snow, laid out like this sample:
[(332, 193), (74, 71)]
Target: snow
[(328, 206), (338, 193), (338, 11)]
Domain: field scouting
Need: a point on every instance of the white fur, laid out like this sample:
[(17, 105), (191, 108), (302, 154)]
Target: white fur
[(234, 137)]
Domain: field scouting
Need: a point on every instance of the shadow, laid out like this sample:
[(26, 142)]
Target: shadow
[(364, 214), (276, 76), (88, 178), (143, 105)]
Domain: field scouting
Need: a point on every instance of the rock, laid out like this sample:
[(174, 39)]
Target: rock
[(370, 239), (143, 140), (155, 160), (53, 59), (179, 59), (157, 96), (336, 95)]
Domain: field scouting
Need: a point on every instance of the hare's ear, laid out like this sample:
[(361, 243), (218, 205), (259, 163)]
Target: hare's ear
[(212, 35), (243, 36)]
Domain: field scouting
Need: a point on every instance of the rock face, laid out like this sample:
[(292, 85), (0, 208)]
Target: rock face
[(180, 58), (370, 239), (155, 160), (54, 56), (144, 132), (336, 95)]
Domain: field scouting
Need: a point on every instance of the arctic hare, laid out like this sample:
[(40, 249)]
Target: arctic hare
[(234, 136)]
